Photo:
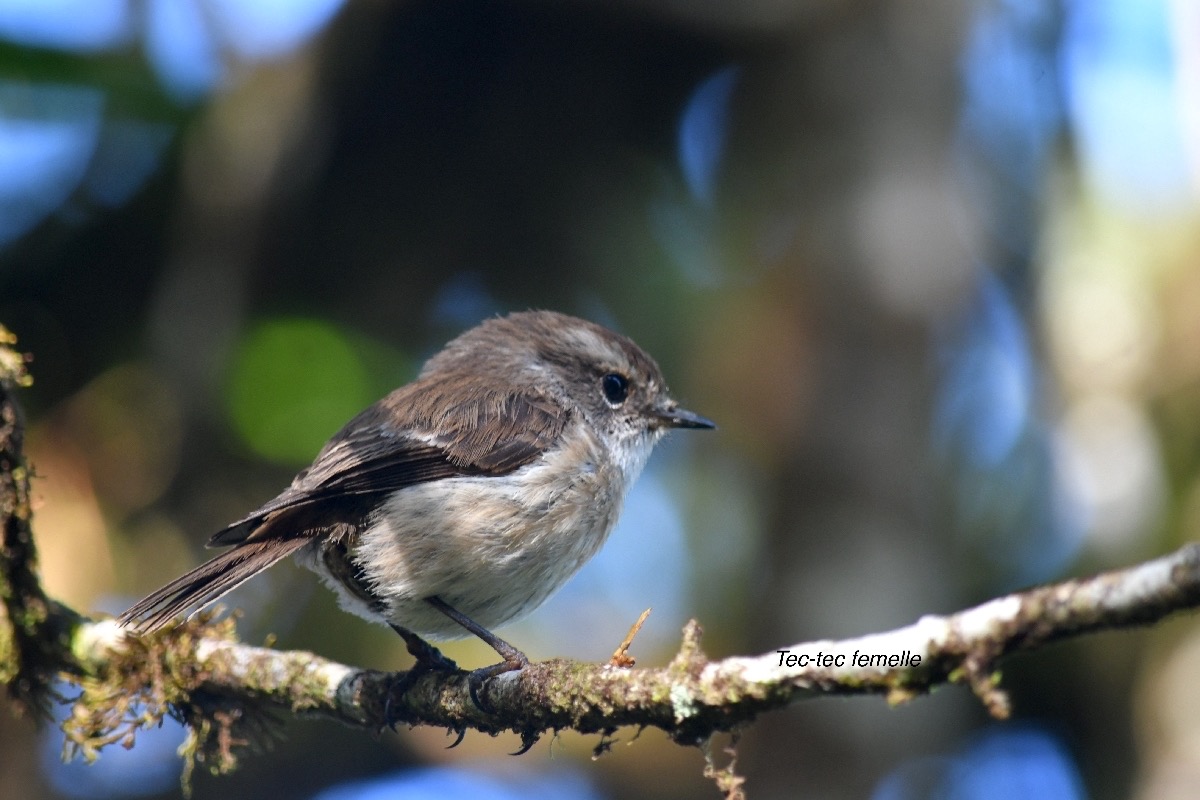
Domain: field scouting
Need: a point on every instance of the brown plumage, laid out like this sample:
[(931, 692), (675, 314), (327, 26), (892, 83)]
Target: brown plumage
[(371, 457)]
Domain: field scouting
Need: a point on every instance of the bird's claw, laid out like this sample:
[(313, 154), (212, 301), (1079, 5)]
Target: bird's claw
[(462, 734), (528, 740), (477, 679)]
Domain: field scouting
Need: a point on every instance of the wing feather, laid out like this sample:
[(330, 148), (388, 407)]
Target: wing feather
[(426, 431)]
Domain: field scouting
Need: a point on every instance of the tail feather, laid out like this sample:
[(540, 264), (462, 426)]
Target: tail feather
[(208, 582)]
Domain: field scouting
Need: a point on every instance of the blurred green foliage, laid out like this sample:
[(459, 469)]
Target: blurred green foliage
[(294, 381)]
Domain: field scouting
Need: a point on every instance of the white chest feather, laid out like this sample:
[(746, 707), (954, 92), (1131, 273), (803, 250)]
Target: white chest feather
[(492, 547)]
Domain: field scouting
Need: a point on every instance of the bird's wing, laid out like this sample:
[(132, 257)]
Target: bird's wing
[(419, 433), (389, 447)]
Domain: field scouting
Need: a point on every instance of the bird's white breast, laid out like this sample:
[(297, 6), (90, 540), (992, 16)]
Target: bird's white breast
[(492, 547)]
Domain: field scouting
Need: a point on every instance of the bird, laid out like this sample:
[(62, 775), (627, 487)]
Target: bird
[(463, 500)]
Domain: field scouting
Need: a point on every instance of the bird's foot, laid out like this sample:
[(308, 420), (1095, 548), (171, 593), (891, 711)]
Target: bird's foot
[(429, 659), (477, 679)]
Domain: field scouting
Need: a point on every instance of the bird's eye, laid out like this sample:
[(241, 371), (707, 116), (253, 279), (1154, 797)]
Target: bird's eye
[(616, 388)]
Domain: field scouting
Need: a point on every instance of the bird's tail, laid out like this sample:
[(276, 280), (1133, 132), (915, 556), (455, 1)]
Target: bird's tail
[(208, 582)]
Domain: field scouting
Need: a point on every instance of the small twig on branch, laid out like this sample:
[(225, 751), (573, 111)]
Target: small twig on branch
[(621, 657)]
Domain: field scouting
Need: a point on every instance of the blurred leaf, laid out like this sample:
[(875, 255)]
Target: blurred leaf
[(293, 383), (130, 85)]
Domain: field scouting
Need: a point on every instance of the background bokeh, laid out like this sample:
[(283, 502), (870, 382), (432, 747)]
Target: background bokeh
[(933, 266)]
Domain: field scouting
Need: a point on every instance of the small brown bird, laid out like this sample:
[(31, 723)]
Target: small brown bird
[(463, 500)]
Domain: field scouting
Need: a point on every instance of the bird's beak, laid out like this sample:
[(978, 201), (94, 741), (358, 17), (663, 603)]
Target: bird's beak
[(674, 417)]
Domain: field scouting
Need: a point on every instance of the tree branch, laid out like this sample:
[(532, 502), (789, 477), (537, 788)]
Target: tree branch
[(690, 698), (33, 628), (226, 691)]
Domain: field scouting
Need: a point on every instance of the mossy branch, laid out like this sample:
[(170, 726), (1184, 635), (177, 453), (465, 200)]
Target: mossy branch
[(228, 691), (33, 628), (690, 698)]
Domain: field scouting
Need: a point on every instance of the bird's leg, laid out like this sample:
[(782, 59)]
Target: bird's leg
[(429, 659), (514, 659)]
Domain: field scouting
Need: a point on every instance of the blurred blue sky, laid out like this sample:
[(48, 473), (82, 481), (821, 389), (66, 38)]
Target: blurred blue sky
[(1120, 71), (151, 767), (55, 139), (79, 25), (505, 782), (999, 764)]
